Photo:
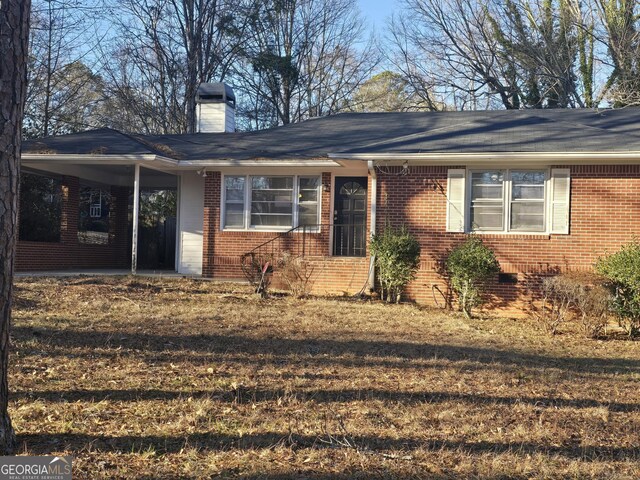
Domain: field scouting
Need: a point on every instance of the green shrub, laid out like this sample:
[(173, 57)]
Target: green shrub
[(397, 253), (622, 270), (469, 266)]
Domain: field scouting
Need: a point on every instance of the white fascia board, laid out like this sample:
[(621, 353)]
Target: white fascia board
[(198, 164), (97, 159), (564, 158), (165, 162)]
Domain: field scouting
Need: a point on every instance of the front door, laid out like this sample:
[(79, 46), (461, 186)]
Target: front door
[(350, 217)]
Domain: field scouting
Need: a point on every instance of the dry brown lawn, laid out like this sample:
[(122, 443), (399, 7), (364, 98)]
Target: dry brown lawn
[(182, 379)]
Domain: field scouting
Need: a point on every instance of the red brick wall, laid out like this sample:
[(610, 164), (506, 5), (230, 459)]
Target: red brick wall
[(223, 249), (69, 253), (605, 213)]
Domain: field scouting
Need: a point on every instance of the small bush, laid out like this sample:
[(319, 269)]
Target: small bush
[(622, 270), (469, 266), (258, 270), (397, 253), (556, 303), (296, 273), (579, 297)]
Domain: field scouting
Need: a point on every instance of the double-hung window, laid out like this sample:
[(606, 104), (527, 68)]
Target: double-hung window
[(502, 200), (234, 194), (527, 204), (487, 200), (308, 200), (270, 202), (507, 200)]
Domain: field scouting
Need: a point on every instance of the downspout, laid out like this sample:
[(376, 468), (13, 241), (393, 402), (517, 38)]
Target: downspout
[(372, 227)]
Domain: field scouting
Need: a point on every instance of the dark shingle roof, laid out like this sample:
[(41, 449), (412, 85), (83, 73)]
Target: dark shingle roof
[(521, 131), (413, 132), (102, 141)]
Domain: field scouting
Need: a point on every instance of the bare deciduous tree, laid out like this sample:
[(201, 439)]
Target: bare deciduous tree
[(508, 53), (620, 21), (303, 58), (164, 49), (290, 60), (541, 39), (449, 47), (14, 32), (62, 89)]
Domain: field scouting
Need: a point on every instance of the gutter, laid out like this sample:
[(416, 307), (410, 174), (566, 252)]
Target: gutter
[(434, 158), (372, 227), (130, 159), (258, 163), (88, 159)]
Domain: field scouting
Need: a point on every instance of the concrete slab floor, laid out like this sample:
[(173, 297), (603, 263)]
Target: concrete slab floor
[(103, 272)]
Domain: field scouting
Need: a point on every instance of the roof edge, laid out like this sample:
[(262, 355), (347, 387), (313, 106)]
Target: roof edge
[(259, 163), (97, 158), (434, 158)]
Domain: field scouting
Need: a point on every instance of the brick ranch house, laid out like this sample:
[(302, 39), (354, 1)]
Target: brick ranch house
[(548, 190)]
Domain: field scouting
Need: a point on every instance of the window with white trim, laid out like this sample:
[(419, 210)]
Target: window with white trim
[(515, 200), (527, 201), (487, 200), (270, 202), (507, 200), (308, 200), (234, 195)]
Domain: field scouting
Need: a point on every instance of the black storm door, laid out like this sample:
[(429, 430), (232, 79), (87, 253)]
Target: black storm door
[(350, 217)]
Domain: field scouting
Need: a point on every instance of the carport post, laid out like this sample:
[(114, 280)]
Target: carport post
[(136, 209)]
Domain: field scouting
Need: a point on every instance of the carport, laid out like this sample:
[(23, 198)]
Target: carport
[(112, 186)]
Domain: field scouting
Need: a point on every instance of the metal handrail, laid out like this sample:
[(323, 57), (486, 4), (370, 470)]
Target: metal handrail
[(302, 246), (273, 250), (282, 234)]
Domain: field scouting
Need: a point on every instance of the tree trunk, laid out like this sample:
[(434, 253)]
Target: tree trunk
[(14, 30), (192, 44)]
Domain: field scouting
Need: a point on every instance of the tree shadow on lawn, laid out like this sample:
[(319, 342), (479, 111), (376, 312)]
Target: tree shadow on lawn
[(318, 350), (22, 301), (352, 475), (244, 395), (45, 443)]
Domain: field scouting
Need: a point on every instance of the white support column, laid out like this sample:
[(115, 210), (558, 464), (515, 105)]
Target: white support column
[(136, 211), (372, 228)]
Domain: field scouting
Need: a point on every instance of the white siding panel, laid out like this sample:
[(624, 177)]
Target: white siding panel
[(191, 223), (215, 118)]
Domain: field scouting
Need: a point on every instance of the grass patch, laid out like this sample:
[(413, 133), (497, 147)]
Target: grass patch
[(183, 379)]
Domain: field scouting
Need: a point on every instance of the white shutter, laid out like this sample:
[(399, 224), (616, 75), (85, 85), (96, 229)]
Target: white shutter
[(455, 200), (560, 198)]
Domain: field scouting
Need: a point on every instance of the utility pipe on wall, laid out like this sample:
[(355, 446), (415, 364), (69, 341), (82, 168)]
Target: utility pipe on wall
[(136, 210), (372, 227)]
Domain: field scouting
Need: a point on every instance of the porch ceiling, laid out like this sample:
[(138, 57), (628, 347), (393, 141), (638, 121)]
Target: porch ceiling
[(119, 175)]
